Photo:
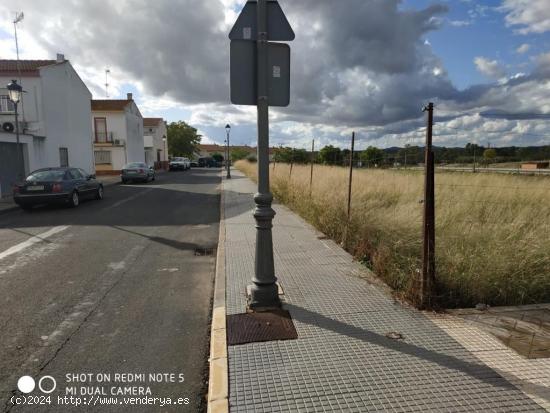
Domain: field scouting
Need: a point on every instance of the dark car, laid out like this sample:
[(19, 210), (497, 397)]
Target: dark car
[(137, 171), (57, 186), (207, 163)]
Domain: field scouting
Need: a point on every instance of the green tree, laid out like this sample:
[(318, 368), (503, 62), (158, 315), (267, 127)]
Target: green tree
[(218, 157), (182, 139), (238, 154), (330, 155), (372, 156), (288, 155), (489, 155)]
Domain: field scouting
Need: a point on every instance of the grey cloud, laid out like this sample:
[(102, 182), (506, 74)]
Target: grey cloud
[(173, 47)]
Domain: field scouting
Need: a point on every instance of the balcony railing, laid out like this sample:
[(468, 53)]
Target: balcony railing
[(104, 137)]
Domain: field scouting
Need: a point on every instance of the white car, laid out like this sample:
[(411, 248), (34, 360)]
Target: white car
[(179, 163)]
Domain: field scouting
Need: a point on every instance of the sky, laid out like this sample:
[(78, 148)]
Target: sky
[(367, 66)]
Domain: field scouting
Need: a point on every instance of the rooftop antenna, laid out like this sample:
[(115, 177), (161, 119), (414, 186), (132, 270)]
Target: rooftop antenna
[(19, 16), (107, 72)]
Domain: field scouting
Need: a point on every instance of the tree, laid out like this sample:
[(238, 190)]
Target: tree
[(372, 156), (218, 157), (330, 155), (489, 155), (182, 139), (238, 154), (291, 155)]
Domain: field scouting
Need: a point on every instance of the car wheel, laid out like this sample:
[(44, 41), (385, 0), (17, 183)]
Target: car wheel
[(153, 177), (99, 193), (124, 182), (74, 201)]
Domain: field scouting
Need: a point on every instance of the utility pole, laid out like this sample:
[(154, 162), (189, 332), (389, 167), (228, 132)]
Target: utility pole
[(311, 172), (428, 256), (107, 71), (264, 290), (227, 160), (350, 173)]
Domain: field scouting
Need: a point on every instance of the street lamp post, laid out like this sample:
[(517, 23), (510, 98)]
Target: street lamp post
[(15, 91), (227, 160), (164, 140)]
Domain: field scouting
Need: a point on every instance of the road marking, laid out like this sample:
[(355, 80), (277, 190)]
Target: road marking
[(31, 241), (131, 198)]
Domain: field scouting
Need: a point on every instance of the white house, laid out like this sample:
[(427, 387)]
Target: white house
[(118, 134), (54, 118), (154, 141)]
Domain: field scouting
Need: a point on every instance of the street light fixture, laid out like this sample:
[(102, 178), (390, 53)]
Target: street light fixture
[(164, 141), (15, 91), (227, 160)]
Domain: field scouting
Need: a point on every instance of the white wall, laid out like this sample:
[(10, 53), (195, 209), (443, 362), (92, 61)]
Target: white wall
[(116, 124), (66, 103), (134, 130), (57, 110)]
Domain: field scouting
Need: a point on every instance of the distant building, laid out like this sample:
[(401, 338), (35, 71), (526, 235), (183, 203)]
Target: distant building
[(155, 133), (535, 165), (54, 118), (118, 134)]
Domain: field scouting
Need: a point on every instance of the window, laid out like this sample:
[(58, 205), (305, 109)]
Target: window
[(75, 174), (100, 127), (63, 157), (6, 105), (102, 157)]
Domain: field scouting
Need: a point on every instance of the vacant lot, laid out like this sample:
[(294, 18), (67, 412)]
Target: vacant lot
[(492, 231)]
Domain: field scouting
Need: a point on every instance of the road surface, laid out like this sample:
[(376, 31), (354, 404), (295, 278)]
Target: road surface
[(117, 286)]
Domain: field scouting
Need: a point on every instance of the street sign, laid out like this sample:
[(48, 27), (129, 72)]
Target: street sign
[(244, 84), (246, 26)]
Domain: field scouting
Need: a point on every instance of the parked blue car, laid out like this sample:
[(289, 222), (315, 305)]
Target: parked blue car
[(57, 186)]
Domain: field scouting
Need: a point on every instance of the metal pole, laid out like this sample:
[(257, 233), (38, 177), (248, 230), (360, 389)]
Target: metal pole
[(264, 291), (474, 158), (291, 164), (350, 174), (20, 159), (428, 259), (228, 161), (311, 172)]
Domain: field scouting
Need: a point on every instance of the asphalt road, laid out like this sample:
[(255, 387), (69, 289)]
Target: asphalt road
[(117, 286)]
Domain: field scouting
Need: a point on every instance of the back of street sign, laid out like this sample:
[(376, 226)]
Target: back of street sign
[(246, 26), (244, 80)]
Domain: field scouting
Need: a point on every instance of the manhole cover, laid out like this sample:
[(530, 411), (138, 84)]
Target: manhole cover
[(258, 327), (202, 252)]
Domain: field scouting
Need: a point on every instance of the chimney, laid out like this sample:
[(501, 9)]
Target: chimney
[(60, 58), (129, 96)]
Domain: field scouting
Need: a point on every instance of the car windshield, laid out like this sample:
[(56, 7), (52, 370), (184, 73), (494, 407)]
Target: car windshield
[(47, 176), (135, 165), (177, 159)]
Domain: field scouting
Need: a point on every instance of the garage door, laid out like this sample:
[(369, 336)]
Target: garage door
[(8, 166)]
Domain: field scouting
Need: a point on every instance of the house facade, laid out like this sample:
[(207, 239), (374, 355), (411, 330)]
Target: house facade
[(54, 118), (154, 142), (117, 134)]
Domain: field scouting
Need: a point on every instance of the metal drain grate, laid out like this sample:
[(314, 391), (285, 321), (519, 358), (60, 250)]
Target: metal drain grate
[(258, 327), (205, 252)]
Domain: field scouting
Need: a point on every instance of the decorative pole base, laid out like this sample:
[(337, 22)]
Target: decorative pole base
[(264, 293)]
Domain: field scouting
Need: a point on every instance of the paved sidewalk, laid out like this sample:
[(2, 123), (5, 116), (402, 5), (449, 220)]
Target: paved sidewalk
[(343, 359)]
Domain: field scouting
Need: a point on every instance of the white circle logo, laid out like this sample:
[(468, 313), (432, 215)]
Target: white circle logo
[(54, 384), (25, 384)]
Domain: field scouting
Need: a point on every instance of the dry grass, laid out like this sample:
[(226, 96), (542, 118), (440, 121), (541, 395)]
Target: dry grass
[(492, 231)]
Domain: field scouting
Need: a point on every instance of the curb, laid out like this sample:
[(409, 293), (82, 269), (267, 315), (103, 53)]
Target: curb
[(218, 382)]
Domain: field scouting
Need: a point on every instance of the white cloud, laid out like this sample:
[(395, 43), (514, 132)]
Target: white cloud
[(489, 68), (460, 23), (533, 16), (524, 48)]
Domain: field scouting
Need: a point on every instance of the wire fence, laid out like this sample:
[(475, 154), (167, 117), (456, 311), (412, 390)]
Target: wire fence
[(484, 225)]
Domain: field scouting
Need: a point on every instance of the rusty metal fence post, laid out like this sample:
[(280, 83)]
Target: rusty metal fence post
[(350, 174), (428, 256), (311, 171)]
